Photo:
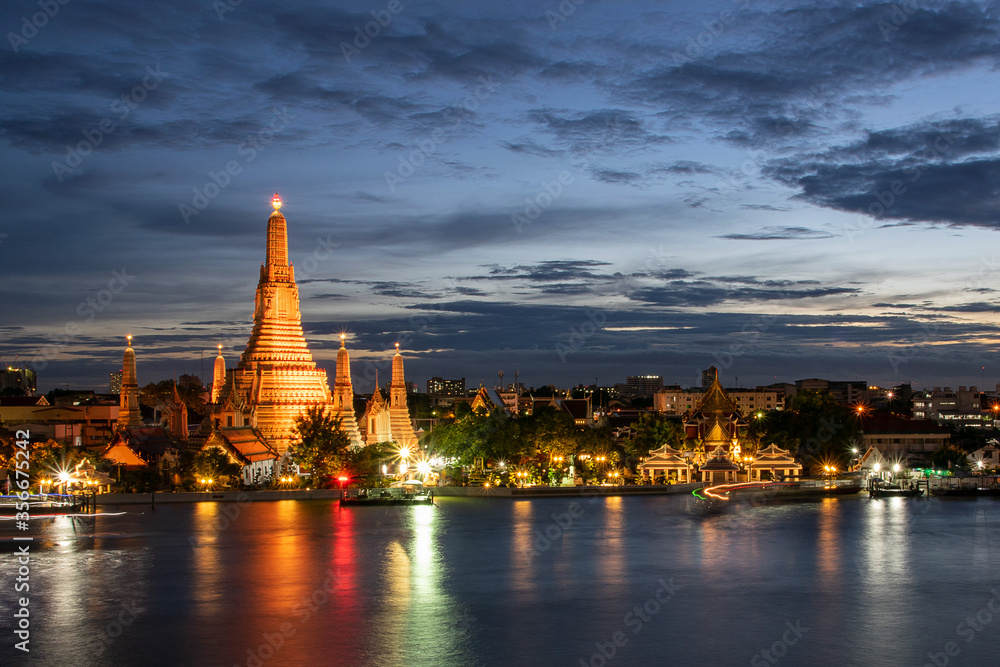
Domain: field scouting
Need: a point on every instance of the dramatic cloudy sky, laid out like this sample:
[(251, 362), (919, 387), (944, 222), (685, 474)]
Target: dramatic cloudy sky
[(783, 189)]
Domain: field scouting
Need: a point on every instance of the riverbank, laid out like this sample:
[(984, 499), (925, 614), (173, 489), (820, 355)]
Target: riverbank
[(113, 499), (563, 491)]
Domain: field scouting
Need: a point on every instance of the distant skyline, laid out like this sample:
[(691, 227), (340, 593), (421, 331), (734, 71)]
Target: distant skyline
[(782, 190)]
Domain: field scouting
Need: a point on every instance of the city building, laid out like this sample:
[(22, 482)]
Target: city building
[(674, 401), (963, 407), (115, 382), (276, 379), (640, 385), (896, 436), (77, 425), (15, 381), (842, 391), (708, 376), (438, 386)]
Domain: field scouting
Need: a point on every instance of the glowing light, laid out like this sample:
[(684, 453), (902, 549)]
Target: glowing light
[(878, 466), (342, 479), (895, 467), (424, 467), (276, 201)]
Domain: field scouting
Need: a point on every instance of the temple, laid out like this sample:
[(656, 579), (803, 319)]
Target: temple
[(276, 378), (343, 396), (218, 377), (399, 412), (389, 423), (128, 399)]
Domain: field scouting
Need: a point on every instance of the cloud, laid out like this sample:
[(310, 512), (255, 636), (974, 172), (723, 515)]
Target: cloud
[(932, 171), (779, 233)]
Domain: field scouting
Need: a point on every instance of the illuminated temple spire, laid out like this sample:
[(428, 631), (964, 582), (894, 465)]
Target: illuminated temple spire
[(343, 395), (399, 413), (218, 377), (128, 406), (276, 377)]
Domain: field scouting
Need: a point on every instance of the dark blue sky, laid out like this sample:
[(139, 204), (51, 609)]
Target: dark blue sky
[(782, 189)]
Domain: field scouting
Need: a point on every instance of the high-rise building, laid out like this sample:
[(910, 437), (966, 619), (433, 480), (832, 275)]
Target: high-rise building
[(276, 379), (708, 376), (115, 382), (438, 386), (18, 381), (640, 385)]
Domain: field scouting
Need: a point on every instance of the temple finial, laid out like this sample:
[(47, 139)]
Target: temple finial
[(276, 201)]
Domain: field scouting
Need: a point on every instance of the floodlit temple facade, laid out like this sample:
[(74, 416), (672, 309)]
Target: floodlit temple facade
[(714, 448), (276, 378), (128, 399)]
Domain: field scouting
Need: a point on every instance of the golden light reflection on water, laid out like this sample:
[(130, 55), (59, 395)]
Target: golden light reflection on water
[(206, 565), (612, 548), (828, 550), (523, 554)]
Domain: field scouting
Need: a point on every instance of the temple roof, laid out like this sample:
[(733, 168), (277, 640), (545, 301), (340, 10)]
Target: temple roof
[(715, 401), (719, 461), (245, 444)]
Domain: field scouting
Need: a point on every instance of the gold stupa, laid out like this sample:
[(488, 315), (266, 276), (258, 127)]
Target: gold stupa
[(276, 378)]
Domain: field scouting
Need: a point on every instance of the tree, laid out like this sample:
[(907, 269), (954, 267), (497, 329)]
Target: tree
[(652, 431), (214, 464), (160, 393), (813, 426), (550, 432), (950, 457), (322, 447)]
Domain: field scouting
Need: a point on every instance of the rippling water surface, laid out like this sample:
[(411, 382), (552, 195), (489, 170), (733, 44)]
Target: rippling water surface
[(572, 581)]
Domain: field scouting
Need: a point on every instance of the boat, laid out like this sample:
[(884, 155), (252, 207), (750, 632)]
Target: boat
[(965, 491), (886, 491), (714, 499), (408, 492)]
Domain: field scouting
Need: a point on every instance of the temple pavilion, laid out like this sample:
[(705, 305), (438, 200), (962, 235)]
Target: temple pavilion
[(714, 448)]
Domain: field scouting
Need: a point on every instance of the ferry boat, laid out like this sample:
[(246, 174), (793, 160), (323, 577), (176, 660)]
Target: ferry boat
[(878, 489), (408, 492)]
